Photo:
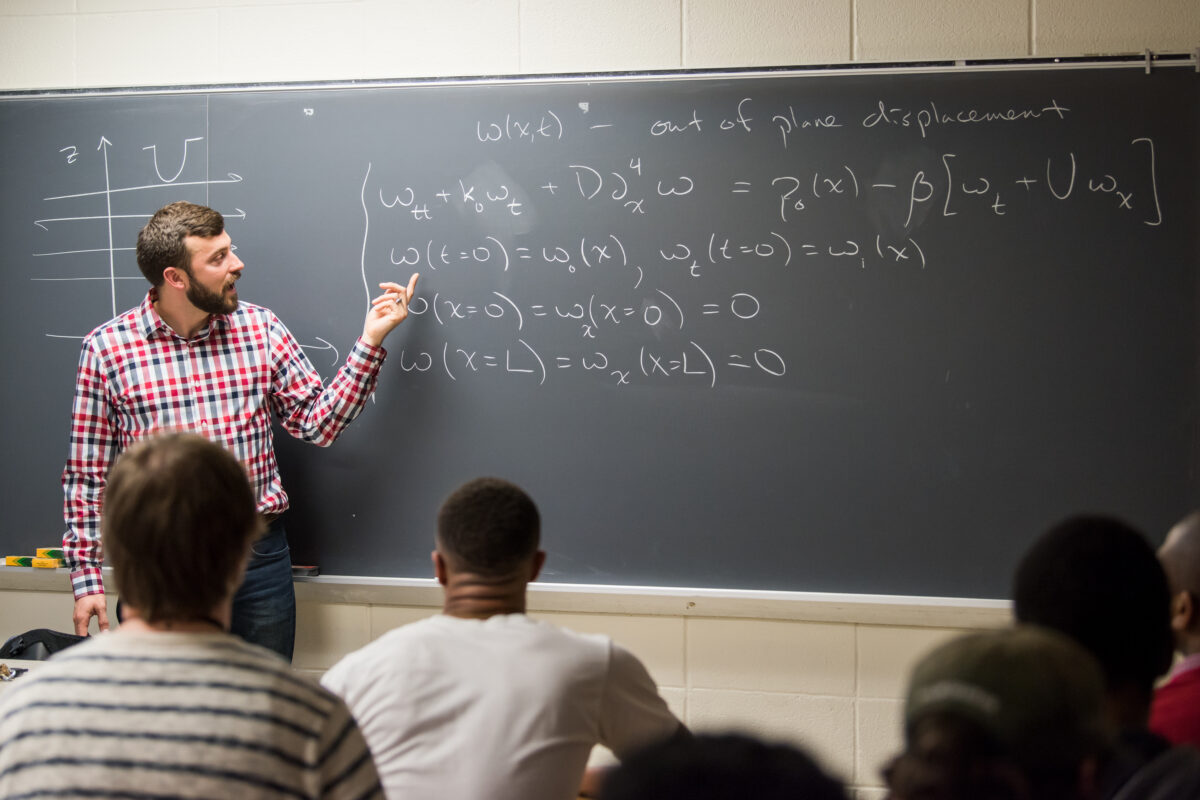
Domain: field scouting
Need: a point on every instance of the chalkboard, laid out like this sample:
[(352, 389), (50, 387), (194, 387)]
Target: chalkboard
[(846, 332)]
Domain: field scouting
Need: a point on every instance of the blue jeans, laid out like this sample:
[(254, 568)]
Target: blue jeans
[(264, 608)]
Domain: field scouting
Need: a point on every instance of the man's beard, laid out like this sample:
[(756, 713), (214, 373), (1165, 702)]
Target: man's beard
[(210, 302)]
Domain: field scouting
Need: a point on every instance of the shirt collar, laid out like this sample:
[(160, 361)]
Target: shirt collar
[(148, 319), (1186, 664), (151, 323)]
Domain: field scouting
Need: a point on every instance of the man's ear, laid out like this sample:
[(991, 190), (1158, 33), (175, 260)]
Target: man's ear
[(439, 567), (539, 560), (1183, 611), (173, 277)]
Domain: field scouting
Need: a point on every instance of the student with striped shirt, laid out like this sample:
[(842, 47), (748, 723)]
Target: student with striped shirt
[(171, 704)]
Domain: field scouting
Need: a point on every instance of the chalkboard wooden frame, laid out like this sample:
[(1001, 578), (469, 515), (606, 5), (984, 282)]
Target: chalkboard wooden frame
[(897, 406)]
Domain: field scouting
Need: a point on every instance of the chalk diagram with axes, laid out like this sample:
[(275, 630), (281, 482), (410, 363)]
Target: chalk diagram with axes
[(114, 258)]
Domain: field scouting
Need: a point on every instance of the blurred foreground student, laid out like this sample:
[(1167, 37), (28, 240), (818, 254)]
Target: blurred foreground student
[(1097, 580), (482, 701), (171, 704), (727, 766), (1015, 714), (1175, 712)]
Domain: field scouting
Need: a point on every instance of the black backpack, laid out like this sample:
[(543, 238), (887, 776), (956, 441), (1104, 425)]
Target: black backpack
[(38, 645)]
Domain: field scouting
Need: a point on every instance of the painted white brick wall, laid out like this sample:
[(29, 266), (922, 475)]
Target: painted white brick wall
[(1087, 27), (64, 44), (752, 33), (940, 29)]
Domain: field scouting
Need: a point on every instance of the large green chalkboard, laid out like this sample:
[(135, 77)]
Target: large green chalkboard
[(853, 332)]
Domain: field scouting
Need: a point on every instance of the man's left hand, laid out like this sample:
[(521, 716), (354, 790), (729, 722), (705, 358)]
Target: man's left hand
[(388, 310)]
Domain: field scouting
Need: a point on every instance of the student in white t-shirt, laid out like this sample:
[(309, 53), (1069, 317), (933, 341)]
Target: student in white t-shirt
[(482, 701)]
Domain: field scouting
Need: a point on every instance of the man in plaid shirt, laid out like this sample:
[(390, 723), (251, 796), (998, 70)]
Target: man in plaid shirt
[(191, 357)]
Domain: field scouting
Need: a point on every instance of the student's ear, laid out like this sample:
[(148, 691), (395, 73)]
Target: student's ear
[(439, 567), (1183, 611), (539, 559)]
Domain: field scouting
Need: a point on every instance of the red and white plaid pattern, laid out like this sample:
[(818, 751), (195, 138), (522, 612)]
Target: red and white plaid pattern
[(137, 377)]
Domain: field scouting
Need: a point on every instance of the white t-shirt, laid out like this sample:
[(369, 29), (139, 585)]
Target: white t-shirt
[(506, 708)]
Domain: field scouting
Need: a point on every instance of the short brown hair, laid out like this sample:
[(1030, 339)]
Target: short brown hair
[(178, 519), (160, 244), (489, 526)]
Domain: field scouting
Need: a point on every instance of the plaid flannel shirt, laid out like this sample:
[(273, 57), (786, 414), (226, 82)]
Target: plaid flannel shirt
[(137, 376)]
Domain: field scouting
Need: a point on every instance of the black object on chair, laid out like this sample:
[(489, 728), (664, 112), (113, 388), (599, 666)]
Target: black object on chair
[(38, 644)]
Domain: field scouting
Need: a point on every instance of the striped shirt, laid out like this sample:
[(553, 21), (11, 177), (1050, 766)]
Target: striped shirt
[(137, 376), (177, 715)]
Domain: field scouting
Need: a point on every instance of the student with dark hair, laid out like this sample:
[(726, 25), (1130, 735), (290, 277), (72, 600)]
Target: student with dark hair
[(1015, 714), (482, 701), (194, 357), (1175, 711), (720, 767), (1097, 580), (171, 704)]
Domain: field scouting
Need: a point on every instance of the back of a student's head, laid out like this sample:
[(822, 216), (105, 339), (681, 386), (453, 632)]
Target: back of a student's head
[(1180, 559), (488, 526), (178, 519), (1096, 579), (1014, 714), (719, 767)]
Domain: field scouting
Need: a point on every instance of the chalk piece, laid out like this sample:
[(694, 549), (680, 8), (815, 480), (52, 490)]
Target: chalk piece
[(18, 561), (49, 552), (46, 563), (298, 569)]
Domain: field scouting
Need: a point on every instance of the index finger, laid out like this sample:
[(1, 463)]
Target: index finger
[(412, 284)]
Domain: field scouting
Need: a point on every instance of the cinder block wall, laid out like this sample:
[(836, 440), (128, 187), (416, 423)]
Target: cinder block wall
[(834, 686)]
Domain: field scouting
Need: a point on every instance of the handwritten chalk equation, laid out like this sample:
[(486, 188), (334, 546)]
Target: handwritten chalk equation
[(786, 120), (622, 184), (435, 254), (959, 186), (607, 251), (758, 204), (692, 363), (1058, 177), (657, 310)]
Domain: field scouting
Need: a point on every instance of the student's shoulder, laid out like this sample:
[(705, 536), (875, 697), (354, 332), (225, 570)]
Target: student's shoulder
[(391, 648), (551, 631), (566, 648), (597, 649)]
